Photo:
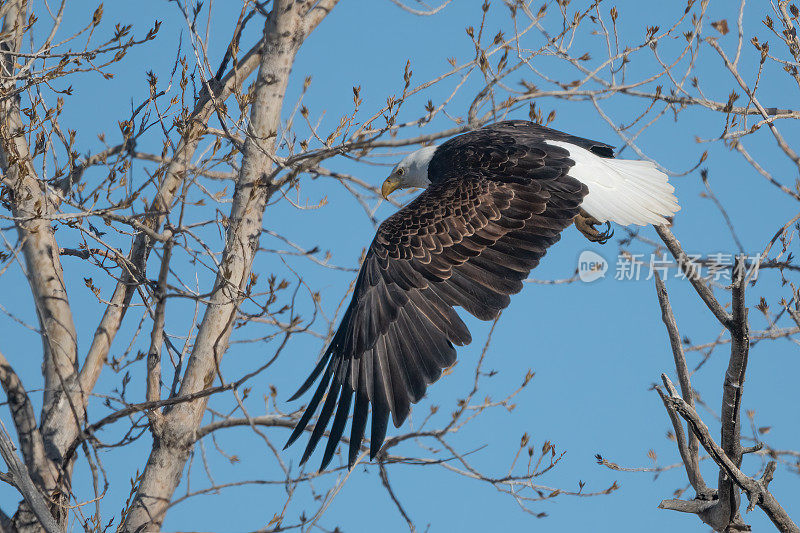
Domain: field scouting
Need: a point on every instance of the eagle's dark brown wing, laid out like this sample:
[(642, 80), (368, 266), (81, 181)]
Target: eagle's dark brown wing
[(468, 241)]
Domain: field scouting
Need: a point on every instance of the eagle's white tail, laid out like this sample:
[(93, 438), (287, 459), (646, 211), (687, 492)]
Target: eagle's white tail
[(622, 190)]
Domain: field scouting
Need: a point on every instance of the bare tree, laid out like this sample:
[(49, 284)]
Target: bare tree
[(173, 233)]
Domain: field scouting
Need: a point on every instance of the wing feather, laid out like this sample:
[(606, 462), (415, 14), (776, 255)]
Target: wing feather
[(468, 241)]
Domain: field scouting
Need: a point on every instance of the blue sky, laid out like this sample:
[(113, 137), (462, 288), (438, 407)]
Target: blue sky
[(596, 348)]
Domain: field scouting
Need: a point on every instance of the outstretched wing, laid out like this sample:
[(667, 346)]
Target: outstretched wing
[(468, 241)]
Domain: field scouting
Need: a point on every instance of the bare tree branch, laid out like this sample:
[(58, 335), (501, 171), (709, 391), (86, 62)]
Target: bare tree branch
[(692, 272), (757, 490), (42, 261), (24, 418), (689, 454), (23, 482), (283, 34)]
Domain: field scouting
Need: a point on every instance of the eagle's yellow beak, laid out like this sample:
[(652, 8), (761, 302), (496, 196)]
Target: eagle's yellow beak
[(389, 186)]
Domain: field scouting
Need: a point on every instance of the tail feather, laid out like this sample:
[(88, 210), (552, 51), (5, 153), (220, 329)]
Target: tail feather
[(620, 190)]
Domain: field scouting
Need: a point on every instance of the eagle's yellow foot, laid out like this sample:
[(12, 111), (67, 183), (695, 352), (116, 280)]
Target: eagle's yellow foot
[(586, 224)]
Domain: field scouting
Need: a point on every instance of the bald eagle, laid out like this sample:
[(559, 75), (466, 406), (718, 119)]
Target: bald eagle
[(495, 200)]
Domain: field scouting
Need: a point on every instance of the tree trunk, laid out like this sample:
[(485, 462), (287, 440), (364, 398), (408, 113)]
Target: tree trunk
[(174, 434)]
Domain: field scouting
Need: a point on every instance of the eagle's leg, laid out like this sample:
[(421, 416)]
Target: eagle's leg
[(586, 224)]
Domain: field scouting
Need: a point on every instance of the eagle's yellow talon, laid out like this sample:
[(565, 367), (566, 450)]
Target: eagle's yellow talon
[(586, 224)]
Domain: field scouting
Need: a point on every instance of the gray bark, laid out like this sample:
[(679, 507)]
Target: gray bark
[(40, 249), (22, 481), (174, 434), (43, 270), (49, 449), (59, 428), (718, 509)]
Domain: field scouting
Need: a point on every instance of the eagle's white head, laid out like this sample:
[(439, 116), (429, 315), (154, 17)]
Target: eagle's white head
[(412, 171)]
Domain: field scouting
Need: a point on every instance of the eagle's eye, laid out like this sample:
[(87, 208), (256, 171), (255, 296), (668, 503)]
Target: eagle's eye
[(401, 171)]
